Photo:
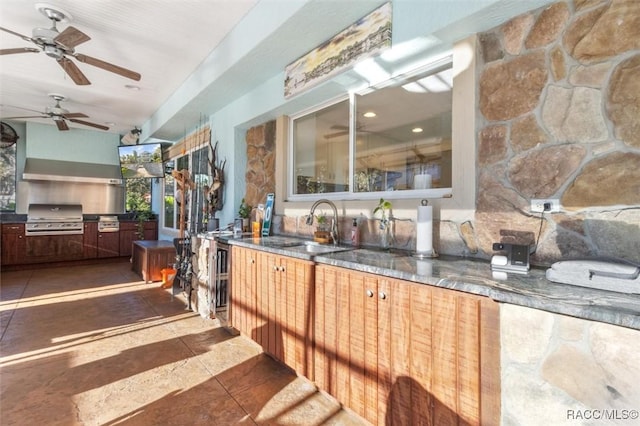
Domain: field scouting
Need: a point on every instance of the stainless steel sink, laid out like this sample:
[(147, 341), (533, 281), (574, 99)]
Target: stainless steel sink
[(316, 248)]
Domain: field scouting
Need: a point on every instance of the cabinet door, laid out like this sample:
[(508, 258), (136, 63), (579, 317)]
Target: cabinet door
[(438, 356), (13, 244), (294, 314), (346, 338), (108, 244), (243, 290), (151, 230), (90, 240), (128, 234), (268, 333), (54, 248)]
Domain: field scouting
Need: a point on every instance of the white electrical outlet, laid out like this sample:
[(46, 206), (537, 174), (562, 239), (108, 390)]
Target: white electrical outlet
[(537, 205)]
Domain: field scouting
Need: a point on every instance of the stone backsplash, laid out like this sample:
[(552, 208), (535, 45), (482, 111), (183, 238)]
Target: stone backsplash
[(559, 116)]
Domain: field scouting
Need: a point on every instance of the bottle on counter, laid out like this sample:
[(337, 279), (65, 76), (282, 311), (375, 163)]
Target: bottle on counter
[(355, 233)]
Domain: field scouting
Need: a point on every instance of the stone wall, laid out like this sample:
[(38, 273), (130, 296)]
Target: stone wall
[(555, 368), (261, 164), (559, 110)]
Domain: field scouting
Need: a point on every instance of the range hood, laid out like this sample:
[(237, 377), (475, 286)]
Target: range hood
[(71, 171)]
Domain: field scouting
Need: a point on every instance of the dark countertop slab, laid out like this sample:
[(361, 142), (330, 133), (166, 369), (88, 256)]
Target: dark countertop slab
[(470, 276)]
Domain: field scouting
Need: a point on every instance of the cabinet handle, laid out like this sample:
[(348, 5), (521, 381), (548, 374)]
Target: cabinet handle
[(253, 261), (382, 295), (275, 268), (282, 269), (369, 293)]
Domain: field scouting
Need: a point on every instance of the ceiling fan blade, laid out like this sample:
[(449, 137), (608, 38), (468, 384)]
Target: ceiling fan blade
[(86, 123), (19, 50), (73, 71), (61, 125), (24, 37), (26, 116), (108, 67), (75, 115), (71, 37)]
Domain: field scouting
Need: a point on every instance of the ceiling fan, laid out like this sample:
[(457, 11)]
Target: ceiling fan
[(61, 46), (59, 115)]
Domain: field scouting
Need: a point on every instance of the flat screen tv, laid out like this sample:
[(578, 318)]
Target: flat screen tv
[(141, 161)]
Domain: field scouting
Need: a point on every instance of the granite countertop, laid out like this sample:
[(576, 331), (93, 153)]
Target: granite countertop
[(467, 275)]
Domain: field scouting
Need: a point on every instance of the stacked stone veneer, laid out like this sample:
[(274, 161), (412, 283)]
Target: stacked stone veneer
[(559, 370), (261, 163), (559, 114)]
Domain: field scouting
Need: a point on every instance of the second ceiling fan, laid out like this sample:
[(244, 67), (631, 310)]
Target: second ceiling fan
[(61, 46), (59, 115)]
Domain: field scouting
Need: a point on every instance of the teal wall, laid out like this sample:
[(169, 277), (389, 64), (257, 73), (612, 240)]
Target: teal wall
[(80, 145)]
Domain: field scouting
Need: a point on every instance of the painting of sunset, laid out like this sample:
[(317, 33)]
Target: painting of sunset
[(365, 38)]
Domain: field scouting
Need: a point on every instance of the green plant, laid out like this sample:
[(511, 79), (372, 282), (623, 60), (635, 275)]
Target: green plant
[(244, 211), (384, 207)]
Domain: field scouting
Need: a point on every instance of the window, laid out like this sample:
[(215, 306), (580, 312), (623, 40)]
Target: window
[(398, 138), (138, 194), (197, 163), (8, 177)]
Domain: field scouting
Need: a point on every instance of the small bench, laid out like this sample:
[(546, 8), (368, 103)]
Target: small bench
[(149, 258)]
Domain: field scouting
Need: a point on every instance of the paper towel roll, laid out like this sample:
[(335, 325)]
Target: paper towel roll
[(424, 236)]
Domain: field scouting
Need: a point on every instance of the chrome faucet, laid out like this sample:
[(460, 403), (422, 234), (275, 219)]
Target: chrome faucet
[(334, 223)]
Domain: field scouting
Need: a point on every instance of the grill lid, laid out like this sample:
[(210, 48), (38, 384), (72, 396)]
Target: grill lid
[(54, 213)]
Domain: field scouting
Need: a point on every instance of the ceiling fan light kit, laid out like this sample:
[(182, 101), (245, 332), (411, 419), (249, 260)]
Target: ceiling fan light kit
[(60, 115), (61, 46)]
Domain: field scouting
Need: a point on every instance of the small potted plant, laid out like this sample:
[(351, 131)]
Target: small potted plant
[(322, 234), (386, 236), (244, 213)]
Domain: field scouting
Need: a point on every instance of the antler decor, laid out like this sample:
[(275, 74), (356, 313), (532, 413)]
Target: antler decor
[(214, 193)]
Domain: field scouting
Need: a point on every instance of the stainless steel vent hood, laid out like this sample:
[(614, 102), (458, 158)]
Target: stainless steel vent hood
[(70, 171)]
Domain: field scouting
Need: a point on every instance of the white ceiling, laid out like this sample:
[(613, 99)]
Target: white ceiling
[(166, 41), (163, 40)]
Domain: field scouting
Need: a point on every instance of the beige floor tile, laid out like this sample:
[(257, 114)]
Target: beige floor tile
[(94, 345)]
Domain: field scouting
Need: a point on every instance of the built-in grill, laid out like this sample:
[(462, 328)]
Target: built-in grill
[(108, 224), (54, 219)]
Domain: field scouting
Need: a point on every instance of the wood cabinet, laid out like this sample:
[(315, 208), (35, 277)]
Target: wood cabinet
[(90, 240), (284, 303), (130, 232), (243, 293), (108, 244), (53, 248), (149, 258), (272, 301), (13, 244), (402, 353)]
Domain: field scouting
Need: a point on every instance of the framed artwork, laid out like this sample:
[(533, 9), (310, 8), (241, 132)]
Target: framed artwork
[(365, 38)]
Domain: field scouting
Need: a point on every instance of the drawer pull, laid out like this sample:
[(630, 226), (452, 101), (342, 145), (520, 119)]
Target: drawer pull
[(369, 293)]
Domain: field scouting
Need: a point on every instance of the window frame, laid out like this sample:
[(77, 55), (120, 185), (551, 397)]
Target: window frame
[(435, 64)]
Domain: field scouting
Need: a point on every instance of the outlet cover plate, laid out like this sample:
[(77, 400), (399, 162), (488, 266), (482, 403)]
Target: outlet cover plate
[(537, 205)]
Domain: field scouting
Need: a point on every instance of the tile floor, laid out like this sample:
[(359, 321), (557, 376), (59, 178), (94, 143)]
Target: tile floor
[(95, 345)]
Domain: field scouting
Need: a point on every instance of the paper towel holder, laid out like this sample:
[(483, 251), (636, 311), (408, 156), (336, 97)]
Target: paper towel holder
[(425, 255)]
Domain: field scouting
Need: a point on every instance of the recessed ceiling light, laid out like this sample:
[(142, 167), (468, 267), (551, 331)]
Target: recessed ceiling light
[(417, 130), (369, 114), (132, 87)]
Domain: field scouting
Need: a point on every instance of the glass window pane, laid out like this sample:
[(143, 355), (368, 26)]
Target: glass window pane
[(169, 197), (321, 150), (8, 177), (403, 135)]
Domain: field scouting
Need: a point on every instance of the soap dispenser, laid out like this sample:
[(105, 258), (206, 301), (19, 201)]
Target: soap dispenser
[(355, 233)]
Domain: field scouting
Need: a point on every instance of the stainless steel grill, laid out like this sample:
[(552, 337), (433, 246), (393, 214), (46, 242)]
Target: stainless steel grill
[(108, 224), (54, 219)]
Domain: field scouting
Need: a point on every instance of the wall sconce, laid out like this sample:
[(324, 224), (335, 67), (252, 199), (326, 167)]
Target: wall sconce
[(132, 137)]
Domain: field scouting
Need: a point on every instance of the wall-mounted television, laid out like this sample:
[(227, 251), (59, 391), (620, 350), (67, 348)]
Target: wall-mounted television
[(141, 161)]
